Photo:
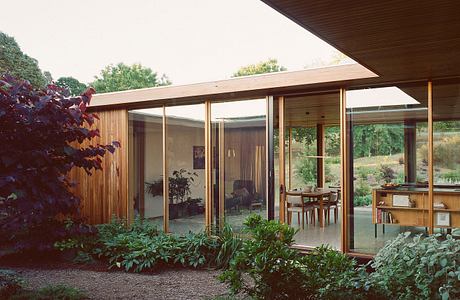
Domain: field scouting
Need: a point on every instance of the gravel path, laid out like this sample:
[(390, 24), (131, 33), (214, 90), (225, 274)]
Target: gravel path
[(168, 284)]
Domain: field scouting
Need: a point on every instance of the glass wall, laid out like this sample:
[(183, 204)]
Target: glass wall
[(312, 170), (185, 164), (239, 160), (446, 157), (388, 146), (146, 167)]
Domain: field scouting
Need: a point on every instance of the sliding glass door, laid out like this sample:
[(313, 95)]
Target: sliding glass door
[(239, 160)]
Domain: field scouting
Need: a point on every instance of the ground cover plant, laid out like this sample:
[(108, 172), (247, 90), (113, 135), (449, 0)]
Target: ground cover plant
[(142, 247), (40, 132)]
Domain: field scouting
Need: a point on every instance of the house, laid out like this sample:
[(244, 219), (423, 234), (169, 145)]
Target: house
[(351, 155)]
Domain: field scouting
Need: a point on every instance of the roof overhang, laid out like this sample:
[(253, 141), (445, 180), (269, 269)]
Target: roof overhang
[(236, 88), (397, 39)]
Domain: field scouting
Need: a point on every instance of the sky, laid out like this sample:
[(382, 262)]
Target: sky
[(189, 41)]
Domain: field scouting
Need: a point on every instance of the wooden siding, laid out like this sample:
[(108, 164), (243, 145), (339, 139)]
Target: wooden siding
[(105, 192)]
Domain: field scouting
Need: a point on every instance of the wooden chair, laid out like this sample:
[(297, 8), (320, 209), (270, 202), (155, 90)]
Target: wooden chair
[(296, 204), (329, 202)]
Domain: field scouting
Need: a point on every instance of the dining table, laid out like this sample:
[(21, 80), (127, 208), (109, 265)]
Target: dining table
[(319, 195)]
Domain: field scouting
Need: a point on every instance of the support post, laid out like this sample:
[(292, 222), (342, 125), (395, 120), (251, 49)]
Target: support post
[(320, 153), (410, 150), (282, 178)]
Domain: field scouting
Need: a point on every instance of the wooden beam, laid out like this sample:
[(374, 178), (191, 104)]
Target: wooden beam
[(247, 86)]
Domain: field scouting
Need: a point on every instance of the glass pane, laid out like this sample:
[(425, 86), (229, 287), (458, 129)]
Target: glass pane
[(185, 167), (313, 168), (146, 164), (446, 158), (388, 136), (239, 173)]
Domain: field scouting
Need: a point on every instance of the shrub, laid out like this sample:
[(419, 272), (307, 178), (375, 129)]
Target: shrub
[(362, 200), (266, 267), (230, 244), (387, 173), (34, 188), (417, 268), (10, 283)]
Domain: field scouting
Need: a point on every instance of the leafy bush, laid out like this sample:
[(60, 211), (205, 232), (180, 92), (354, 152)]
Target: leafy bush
[(417, 268), (10, 283), (362, 200), (230, 243), (387, 173), (34, 188), (452, 177), (51, 292), (266, 267), (142, 247)]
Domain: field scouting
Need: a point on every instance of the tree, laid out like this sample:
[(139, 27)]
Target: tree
[(262, 67), (18, 64), (40, 132), (48, 77), (123, 77), (74, 86)]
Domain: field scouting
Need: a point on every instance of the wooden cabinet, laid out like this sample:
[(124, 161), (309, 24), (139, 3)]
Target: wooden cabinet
[(384, 210)]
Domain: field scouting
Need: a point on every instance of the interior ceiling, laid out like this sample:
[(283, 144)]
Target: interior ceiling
[(397, 39)]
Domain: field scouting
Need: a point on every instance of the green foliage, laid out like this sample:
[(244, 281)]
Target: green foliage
[(10, 283), (364, 200), (74, 86), (417, 268), (266, 267), (329, 274), (123, 77), (18, 64), (452, 176), (306, 170), (230, 244), (141, 247), (51, 292), (262, 67), (377, 139), (445, 152)]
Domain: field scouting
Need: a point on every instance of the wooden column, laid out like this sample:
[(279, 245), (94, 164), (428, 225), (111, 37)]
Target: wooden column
[(410, 150), (320, 153), (208, 166), (290, 158), (221, 184), (165, 176), (270, 159), (430, 157), (346, 179), (282, 178)]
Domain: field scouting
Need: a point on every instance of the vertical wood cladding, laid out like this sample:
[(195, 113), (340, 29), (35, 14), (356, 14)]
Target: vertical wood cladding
[(105, 192)]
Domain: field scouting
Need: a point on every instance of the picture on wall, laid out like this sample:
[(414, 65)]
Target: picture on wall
[(198, 157)]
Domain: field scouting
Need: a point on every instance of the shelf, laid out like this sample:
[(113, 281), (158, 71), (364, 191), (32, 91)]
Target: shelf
[(447, 209), (399, 224), (401, 208)]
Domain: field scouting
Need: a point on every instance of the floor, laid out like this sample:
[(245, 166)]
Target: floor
[(312, 235)]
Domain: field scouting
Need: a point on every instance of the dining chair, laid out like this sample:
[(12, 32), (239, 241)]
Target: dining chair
[(330, 201), (296, 204)]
